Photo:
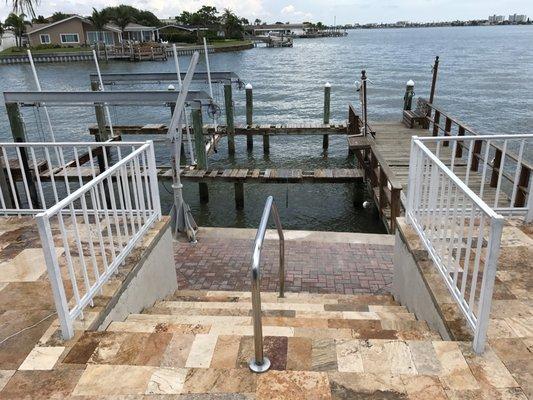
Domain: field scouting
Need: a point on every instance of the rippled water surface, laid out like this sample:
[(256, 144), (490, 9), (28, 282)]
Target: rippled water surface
[(485, 79)]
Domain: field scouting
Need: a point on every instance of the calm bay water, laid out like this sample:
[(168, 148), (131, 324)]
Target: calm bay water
[(485, 79)]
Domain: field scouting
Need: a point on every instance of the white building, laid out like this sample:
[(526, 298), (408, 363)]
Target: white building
[(7, 40), (496, 19), (517, 18)]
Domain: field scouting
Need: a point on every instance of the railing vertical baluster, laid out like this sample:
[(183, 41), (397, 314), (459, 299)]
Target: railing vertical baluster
[(52, 173), (54, 274), (466, 265), (152, 170), (485, 167), (487, 284), (500, 173), (24, 178), (12, 183), (38, 178)]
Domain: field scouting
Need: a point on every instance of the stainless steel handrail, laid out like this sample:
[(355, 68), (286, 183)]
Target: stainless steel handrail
[(261, 363)]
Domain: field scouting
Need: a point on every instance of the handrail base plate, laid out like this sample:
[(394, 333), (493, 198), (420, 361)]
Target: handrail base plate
[(259, 368)]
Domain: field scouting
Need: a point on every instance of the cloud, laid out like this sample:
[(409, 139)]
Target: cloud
[(161, 8), (291, 12)]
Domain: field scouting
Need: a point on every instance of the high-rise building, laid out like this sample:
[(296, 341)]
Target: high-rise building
[(496, 19), (517, 18)]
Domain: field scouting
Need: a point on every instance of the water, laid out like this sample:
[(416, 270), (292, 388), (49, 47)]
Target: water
[(485, 79)]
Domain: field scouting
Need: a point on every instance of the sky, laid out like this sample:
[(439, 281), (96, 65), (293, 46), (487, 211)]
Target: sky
[(344, 11)]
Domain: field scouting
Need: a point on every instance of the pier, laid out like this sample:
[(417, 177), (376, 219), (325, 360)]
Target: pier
[(103, 295), (381, 150)]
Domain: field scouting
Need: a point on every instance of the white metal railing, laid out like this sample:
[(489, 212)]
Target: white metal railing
[(34, 176), (497, 168), (88, 233), (460, 231)]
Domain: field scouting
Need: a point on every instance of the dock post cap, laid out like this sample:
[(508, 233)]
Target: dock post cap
[(410, 82), (248, 86), (327, 84), (171, 87)]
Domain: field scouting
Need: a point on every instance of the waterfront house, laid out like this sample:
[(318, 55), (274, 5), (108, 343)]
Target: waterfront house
[(282, 29), (77, 31)]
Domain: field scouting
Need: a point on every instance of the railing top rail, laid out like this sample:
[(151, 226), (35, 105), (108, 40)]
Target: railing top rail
[(462, 186), (93, 182), (261, 231), (73, 144), (475, 137)]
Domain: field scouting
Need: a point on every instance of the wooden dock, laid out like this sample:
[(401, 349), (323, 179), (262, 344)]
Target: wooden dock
[(240, 129), (345, 175)]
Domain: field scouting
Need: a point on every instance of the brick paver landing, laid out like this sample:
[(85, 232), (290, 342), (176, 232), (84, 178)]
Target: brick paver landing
[(344, 268)]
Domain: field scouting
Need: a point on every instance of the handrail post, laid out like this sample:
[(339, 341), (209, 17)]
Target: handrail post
[(260, 363), (54, 274), (487, 286)]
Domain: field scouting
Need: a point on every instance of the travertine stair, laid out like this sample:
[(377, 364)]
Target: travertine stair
[(197, 345)]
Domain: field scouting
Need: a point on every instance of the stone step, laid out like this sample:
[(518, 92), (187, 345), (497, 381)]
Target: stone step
[(271, 306), (278, 326), (200, 350), (205, 366), (182, 309), (303, 297)]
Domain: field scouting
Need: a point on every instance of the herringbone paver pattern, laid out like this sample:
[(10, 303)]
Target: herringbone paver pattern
[(344, 268)]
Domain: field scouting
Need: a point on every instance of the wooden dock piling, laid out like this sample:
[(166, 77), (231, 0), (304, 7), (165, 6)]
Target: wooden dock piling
[(327, 109), (239, 195), (199, 145), (249, 115), (19, 135), (230, 121)]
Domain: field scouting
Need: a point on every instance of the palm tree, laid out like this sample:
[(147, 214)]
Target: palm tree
[(99, 20), (233, 25), (18, 24), (25, 7), (122, 17)]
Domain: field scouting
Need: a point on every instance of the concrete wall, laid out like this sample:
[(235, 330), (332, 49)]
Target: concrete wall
[(410, 289), (154, 278)]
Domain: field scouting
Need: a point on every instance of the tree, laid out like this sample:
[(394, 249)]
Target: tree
[(257, 21), (233, 25), (39, 20), (25, 7), (1, 32), (205, 17), (99, 20), (18, 24), (59, 16), (121, 15)]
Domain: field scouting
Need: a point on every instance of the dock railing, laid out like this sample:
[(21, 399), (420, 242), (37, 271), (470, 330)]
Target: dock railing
[(88, 222), (460, 231), (36, 175), (504, 160)]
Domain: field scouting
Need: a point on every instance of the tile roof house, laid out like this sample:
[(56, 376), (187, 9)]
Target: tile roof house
[(76, 31)]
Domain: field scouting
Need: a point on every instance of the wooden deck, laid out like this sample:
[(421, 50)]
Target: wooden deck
[(393, 143), (273, 175), (240, 129)]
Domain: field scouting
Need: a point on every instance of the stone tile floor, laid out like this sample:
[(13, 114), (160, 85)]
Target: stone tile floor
[(173, 360), (316, 266), (322, 346)]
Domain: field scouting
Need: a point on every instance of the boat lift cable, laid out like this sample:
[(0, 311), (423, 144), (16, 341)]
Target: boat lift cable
[(180, 84), (215, 122), (38, 84), (181, 216), (108, 115)]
